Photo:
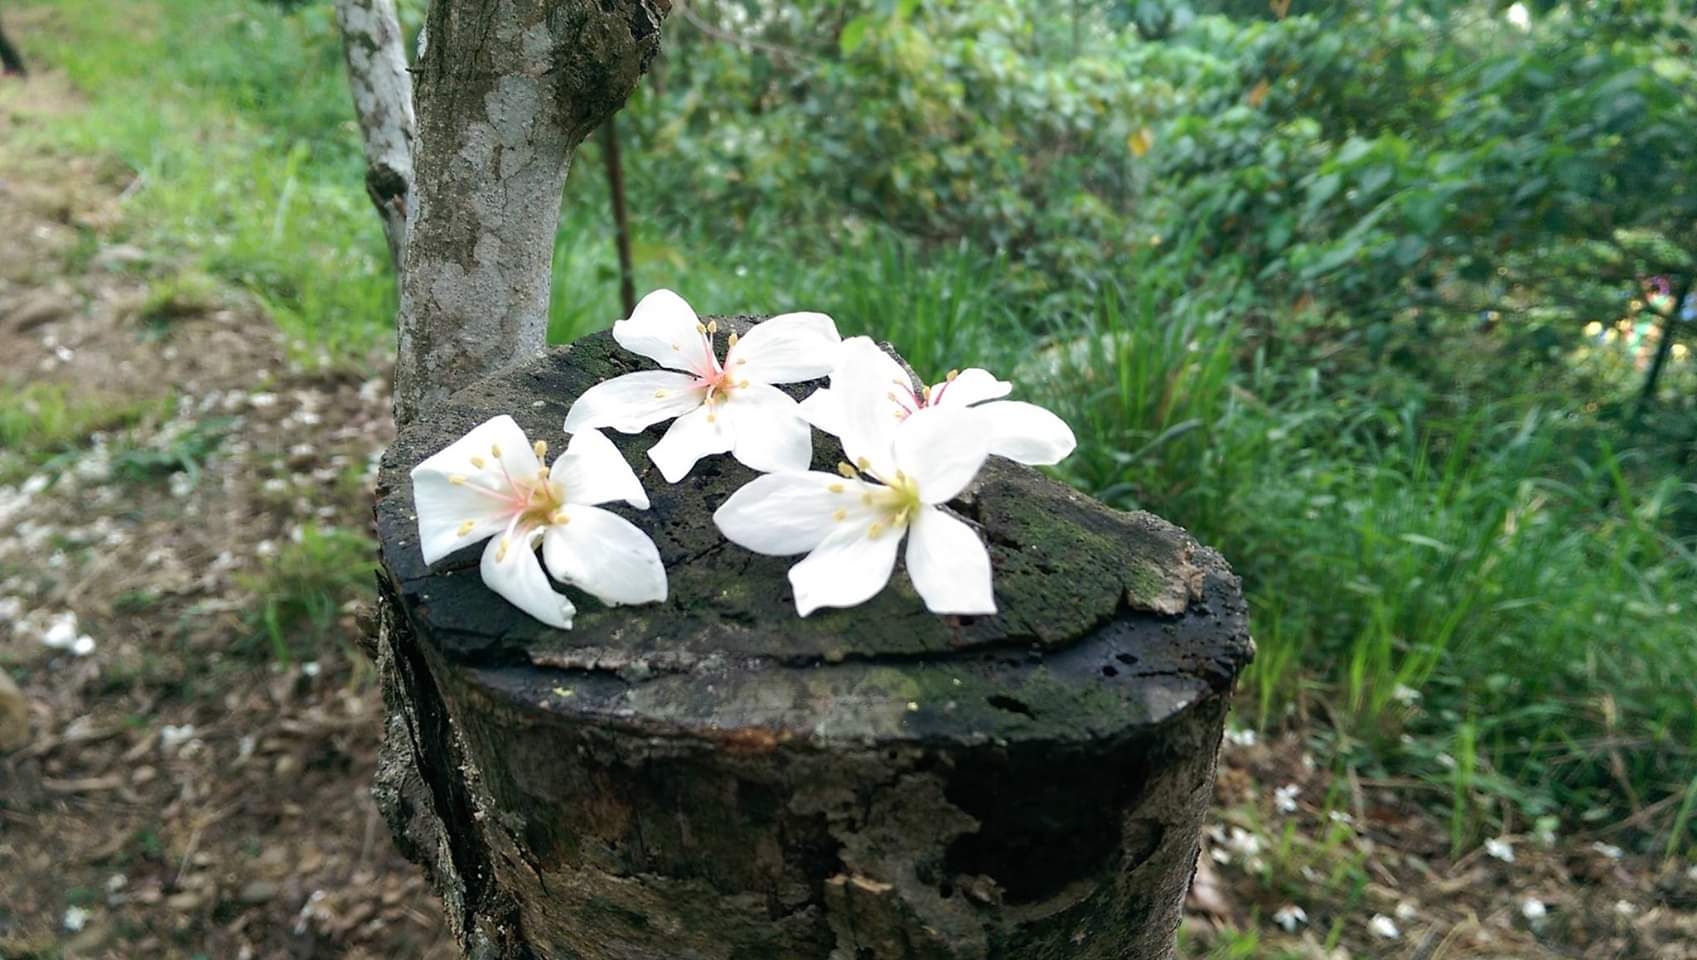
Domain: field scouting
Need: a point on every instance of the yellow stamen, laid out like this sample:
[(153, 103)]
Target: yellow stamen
[(732, 339), (866, 498), (863, 463), (741, 361), (501, 551), (711, 418), (541, 473), (540, 448), (465, 529), (926, 391), (846, 470), (872, 532), (840, 515), (701, 328), (712, 326), (479, 462), (952, 375), (743, 385), (457, 479), (559, 518), (659, 394), (495, 448), (835, 488)]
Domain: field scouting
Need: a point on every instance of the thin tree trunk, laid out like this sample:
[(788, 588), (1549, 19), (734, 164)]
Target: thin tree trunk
[(377, 72), (10, 61), (621, 223), (1664, 347), (506, 90)]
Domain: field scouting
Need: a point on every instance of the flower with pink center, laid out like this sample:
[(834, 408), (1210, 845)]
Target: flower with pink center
[(729, 406), (900, 475), (492, 485), (1019, 431)]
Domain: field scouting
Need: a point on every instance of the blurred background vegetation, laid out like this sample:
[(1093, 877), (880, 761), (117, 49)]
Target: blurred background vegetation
[(1367, 295)]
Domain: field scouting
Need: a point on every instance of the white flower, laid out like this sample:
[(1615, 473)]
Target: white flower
[(1500, 848), (1608, 850), (1290, 917), (1533, 909), (1020, 431), (75, 919), (492, 483), (1382, 926), (1284, 798), (1244, 737), (850, 525), (730, 407)]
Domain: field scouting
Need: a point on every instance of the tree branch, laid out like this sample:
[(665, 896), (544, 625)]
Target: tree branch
[(373, 46)]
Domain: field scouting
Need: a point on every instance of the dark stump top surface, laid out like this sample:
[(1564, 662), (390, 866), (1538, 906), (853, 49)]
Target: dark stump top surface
[(1106, 620)]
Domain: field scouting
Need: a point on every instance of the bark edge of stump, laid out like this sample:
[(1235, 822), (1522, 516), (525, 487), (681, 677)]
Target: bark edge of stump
[(713, 778)]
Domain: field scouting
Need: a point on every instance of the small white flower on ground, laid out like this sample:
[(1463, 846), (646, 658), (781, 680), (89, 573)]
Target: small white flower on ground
[(1284, 798), (1500, 848), (1019, 431), (1290, 916), (1383, 927), (76, 918), (172, 736), (1625, 908), (1405, 911), (1241, 738), (1243, 842), (1533, 909), (1518, 16), (492, 485), (1608, 850), (62, 634), (851, 523), (730, 407), (1405, 695)]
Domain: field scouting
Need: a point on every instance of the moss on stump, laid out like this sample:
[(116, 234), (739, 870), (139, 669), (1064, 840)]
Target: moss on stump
[(713, 778)]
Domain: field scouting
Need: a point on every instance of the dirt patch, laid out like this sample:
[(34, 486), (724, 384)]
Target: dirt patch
[(176, 588)]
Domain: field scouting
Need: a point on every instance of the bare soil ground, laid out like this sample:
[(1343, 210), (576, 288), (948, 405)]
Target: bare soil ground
[(194, 776)]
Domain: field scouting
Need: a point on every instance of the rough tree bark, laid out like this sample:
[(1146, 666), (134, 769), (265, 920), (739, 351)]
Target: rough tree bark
[(505, 91), (375, 51), (712, 778)]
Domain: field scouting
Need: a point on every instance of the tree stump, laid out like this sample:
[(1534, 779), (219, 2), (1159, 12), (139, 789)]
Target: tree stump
[(714, 778)]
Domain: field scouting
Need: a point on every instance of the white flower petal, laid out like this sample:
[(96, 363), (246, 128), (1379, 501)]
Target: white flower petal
[(1027, 433), (787, 348), (606, 555), (444, 508), (517, 575), (848, 568), (696, 434), (592, 471), (948, 564), (941, 449), (822, 410), (497, 433), (970, 386), (634, 402), (782, 514), (665, 329), (766, 429), (862, 383)]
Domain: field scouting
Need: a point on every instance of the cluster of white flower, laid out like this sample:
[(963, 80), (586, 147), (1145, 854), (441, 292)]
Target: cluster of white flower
[(910, 449)]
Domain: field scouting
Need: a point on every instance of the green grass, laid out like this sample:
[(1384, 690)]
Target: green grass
[(1488, 542), (298, 597), (40, 422)]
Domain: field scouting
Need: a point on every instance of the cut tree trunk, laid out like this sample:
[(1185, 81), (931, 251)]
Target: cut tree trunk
[(505, 91), (714, 778)]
